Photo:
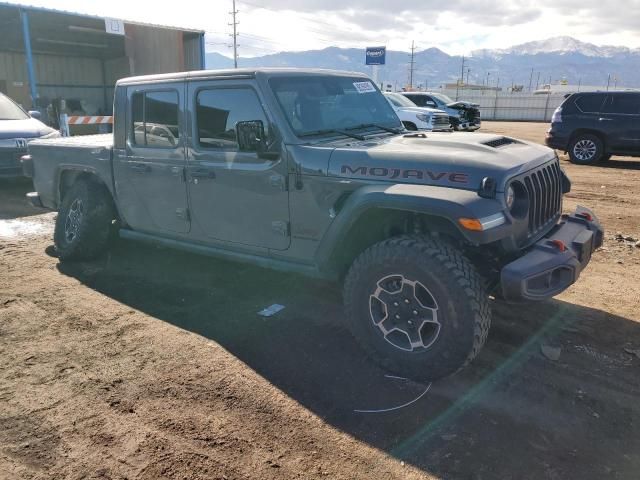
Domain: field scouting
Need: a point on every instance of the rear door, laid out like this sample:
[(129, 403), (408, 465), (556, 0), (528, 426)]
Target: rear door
[(621, 113), (149, 174), (235, 196)]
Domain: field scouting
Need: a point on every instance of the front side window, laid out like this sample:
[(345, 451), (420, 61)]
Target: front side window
[(441, 98), (590, 103), (400, 100), (219, 110), (626, 104), (155, 119), (323, 103)]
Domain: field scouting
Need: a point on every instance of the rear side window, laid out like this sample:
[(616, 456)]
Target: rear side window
[(217, 112), (155, 119), (626, 104), (590, 103)]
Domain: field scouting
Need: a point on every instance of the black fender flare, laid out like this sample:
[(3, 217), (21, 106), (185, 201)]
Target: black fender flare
[(448, 204)]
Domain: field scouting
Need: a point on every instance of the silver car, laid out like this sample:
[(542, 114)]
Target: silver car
[(17, 128)]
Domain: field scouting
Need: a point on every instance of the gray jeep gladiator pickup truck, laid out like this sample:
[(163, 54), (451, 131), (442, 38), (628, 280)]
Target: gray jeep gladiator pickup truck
[(311, 171)]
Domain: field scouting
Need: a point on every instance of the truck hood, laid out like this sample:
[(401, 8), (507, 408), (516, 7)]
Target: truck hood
[(459, 160), (419, 110), (462, 105), (27, 128)]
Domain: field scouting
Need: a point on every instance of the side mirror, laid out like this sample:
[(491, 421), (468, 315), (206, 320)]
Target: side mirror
[(35, 114), (250, 135)]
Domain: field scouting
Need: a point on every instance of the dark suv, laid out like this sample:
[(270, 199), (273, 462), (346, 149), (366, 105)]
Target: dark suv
[(595, 125)]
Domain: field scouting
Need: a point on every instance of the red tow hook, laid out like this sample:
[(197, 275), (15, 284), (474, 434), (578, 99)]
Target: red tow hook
[(585, 215), (559, 244)]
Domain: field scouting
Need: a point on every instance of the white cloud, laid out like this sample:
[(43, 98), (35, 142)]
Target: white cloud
[(456, 26)]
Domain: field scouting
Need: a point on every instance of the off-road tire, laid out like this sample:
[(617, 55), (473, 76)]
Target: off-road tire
[(454, 284), (589, 143), (93, 229)]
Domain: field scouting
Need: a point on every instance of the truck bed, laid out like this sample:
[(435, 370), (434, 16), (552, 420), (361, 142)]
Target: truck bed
[(88, 153)]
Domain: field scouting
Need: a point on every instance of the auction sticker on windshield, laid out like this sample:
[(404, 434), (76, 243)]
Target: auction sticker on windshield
[(364, 87)]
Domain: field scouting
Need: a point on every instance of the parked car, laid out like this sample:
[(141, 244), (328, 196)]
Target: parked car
[(418, 118), (463, 116), (316, 175), (17, 128), (592, 126)]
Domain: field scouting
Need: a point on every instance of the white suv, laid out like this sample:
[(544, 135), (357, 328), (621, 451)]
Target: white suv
[(418, 118)]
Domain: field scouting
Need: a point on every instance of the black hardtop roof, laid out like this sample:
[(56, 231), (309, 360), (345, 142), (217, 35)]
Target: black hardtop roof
[(233, 73), (610, 92)]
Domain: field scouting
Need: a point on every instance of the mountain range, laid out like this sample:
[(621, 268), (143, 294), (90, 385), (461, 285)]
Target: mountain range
[(555, 59)]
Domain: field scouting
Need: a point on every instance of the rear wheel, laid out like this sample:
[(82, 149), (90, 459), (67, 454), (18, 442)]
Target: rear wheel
[(84, 221), (586, 149), (417, 306)]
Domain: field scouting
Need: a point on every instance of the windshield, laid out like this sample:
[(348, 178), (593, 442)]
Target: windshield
[(10, 110), (442, 97), (326, 102), (399, 100)]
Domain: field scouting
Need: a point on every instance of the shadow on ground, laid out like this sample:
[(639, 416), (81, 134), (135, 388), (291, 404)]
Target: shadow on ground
[(623, 163), (512, 414)]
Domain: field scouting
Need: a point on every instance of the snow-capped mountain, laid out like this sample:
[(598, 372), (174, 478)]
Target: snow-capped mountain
[(555, 59), (559, 45)]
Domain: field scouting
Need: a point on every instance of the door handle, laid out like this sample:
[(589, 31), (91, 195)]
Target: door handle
[(140, 167), (602, 119), (202, 173)]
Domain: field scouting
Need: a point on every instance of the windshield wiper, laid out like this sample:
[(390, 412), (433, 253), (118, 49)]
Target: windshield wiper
[(377, 125), (332, 130)]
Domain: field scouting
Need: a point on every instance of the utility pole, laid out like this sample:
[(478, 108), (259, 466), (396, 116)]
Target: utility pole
[(234, 24), (608, 81), (461, 81), (538, 81), (530, 79), (411, 64), (468, 71)]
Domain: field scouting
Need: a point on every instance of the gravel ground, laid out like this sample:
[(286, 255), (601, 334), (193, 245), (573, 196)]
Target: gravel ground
[(152, 364)]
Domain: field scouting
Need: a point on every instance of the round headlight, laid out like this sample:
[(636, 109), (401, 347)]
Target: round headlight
[(510, 197)]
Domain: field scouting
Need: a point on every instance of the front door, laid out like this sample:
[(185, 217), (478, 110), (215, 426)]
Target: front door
[(235, 197), (149, 174)]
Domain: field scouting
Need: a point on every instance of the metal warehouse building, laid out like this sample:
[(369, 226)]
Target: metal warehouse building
[(61, 62)]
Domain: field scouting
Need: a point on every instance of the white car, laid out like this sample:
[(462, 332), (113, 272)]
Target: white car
[(418, 118)]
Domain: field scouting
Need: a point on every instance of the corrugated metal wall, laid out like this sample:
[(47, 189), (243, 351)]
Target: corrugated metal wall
[(67, 77), (154, 50), (192, 52)]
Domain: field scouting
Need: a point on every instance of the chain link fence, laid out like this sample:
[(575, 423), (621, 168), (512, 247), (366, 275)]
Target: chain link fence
[(511, 106)]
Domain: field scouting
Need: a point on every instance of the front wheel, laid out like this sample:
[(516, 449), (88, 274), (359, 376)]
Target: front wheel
[(417, 306), (586, 149)]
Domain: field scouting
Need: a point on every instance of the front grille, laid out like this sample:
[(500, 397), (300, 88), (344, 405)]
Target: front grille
[(471, 114), (441, 121), (544, 188)]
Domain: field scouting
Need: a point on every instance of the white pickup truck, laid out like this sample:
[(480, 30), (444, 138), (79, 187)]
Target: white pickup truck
[(418, 118)]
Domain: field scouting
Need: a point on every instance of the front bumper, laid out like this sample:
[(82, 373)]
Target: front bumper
[(556, 140), (555, 262)]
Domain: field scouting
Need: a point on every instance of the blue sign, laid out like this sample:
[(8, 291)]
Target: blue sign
[(375, 55)]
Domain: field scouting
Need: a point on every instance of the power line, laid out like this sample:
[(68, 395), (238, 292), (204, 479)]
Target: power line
[(234, 35)]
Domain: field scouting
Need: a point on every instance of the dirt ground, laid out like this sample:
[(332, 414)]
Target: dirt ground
[(153, 364)]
